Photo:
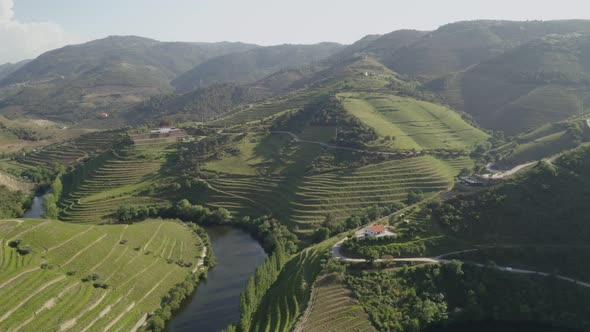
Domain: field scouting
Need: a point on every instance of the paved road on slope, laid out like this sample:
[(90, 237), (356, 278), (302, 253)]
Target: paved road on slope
[(495, 174), (337, 253)]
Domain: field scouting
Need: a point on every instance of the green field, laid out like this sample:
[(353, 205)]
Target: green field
[(412, 124), (332, 307), (44, 290)]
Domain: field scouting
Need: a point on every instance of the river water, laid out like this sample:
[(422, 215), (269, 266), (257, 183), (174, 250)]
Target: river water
[(36, 211), (216, 303)]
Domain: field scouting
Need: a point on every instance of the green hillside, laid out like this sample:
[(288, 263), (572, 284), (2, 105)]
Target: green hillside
[(9, 68), (332, 307), (79, 82), (200, 105), (538, 83), (380, 46), (405, 123), (72, 152), (58, 276), (546, 206), (124, 177), (25, 134), (252, 65), (543, 142), (457, 46), (271, 174)]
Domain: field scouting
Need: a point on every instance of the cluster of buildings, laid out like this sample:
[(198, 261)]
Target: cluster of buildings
[(477, 181)]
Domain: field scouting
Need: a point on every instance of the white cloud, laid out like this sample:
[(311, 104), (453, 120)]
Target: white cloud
[(20, 40)]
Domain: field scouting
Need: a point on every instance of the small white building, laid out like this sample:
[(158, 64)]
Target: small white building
[(375, 230), (164, 130)]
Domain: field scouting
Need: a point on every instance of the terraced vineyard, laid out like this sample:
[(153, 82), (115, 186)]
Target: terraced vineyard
[(332, 308), (98, 189), (269, 108), (339, 193), (74, 151), (284, 302), (133, 267), (412, 124), (342, 192)]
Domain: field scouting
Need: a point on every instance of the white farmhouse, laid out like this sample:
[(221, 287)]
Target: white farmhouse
[(375, 230)]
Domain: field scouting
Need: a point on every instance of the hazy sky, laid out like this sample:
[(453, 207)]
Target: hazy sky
[(29, 27)]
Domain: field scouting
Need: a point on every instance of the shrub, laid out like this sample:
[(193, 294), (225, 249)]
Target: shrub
[(102, 285), (24, 250), (14, 243)]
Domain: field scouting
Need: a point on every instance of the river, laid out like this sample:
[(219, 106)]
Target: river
[(36, 211), (216, 303)]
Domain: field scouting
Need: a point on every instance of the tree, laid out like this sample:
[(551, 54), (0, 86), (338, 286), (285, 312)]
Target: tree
[(157, 324), (50, 205), (321, 234), (415, 196)]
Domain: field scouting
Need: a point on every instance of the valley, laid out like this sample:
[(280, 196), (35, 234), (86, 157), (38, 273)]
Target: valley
[(411, 181)]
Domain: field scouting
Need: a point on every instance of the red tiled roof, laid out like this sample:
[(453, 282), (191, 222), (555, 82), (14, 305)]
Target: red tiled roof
[(377, 228)]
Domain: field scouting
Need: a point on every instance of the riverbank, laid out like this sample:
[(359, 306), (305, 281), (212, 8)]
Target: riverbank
[(216, 302)]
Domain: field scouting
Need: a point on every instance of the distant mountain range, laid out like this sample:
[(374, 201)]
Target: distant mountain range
[(510, 76), (78, 81), (253, 64)]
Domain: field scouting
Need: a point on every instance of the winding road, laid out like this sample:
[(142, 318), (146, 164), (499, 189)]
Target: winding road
[(337, 253)]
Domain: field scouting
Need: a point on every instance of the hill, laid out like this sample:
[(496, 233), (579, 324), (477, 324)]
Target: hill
[(457, 46), (81, 81), (9, 68), (202, 104), (543, 142), (545, 206), (58, 276), (332, 307), (541, 82), (253, 64), (19, 134), (379, 46), (406, 123)]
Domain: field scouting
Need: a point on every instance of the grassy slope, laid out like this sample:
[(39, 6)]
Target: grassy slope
[(414, 124), (36, 299)]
